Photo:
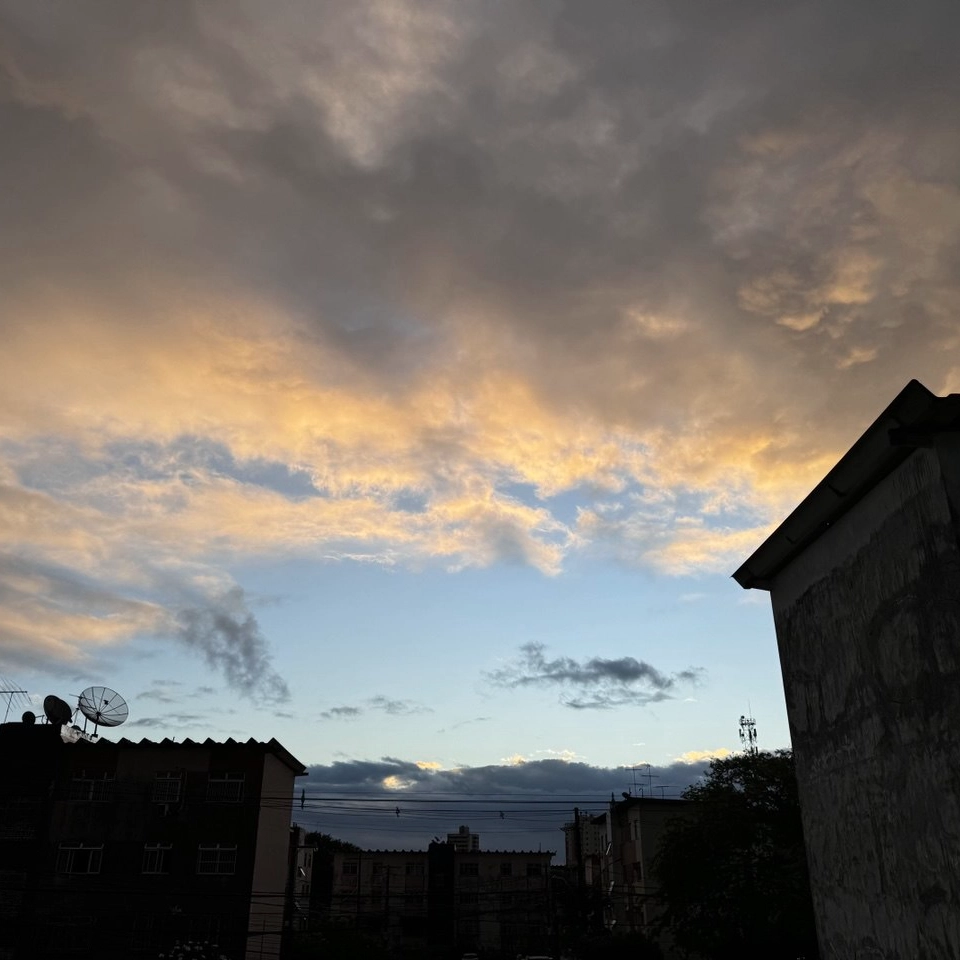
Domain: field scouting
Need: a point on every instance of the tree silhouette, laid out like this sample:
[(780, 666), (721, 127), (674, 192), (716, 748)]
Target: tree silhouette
[(733, 872)]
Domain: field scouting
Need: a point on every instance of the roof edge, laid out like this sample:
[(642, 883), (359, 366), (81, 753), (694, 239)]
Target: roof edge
[(911, 420)]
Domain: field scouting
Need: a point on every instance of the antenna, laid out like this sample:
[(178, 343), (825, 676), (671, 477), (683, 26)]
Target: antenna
[(649, 776), (748, 735), (105, 707), (9, 691), (56, 710)]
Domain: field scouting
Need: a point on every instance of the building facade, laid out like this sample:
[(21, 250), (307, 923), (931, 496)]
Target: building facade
[(864, 578), (444, 899), (120, 849), (610, 868)]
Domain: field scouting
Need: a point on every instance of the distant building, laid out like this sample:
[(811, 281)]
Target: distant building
[(300, 880), (444, 899), (636, 826), (610, 868), (864, 578), (463, 840), (112, 850), (591, 847)]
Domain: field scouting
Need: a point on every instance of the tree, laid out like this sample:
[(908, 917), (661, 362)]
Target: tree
[(733, 872)]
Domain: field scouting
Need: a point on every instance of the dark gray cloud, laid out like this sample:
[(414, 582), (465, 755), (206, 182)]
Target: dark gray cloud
[(227, 634), (340, 799), (606, 683)]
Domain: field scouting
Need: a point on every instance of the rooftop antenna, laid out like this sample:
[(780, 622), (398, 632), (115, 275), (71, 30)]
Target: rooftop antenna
[(8, 691), (103, 706), (650, 778), (748, 735)]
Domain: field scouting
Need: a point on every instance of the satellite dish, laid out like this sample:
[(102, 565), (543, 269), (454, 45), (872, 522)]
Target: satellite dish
[(57, 711), (29, 718), (105, 707)]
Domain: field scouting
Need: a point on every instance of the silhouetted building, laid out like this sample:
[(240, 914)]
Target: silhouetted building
[(864, 577), (463, 840), (636, 826), (118, 849), (443, 900)]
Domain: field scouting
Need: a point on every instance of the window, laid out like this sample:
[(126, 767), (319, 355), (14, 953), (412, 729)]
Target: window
[(225, 787), (96, 788), (469, 899), (506, 869), (156, 858), (470, 869), (413, 869), (217, 859), (378, 869), (79, 858), (166, 787), (534, 869), (350, 868)]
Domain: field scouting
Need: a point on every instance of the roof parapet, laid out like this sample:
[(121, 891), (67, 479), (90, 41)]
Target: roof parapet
[(914, 419)]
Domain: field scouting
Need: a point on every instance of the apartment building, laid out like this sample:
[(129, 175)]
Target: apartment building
[(447, 899), (120, 849)]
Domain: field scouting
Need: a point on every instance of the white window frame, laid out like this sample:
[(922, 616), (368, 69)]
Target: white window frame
[(92, 789), (216, 859), (67, 857), (156, 858), (221, 787), (167, 786)]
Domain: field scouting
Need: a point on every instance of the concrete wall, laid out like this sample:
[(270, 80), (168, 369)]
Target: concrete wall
[(271, 864), (868, 626)]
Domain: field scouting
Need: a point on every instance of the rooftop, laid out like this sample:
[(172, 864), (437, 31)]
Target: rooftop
[(914, 419), (20, 730)]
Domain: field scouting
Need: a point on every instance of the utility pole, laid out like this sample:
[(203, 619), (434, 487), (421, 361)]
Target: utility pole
[(581, 869)]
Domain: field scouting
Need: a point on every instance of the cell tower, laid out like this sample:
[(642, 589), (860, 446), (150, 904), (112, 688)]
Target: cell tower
[(748, 735)]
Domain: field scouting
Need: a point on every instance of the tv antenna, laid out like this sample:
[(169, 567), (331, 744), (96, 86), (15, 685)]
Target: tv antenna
[(103, 706), (13, 696), (648, 774), (748, 735)]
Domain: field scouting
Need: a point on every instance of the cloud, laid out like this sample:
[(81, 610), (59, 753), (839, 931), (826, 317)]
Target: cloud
[(606, 683), (699, 756), (341, 713), (229, 638), (397, 708), (464, 723), (341, 799), (392, 707), (380, 282)]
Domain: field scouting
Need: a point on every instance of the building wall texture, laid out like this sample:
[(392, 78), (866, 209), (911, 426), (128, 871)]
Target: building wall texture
[(868, 628)]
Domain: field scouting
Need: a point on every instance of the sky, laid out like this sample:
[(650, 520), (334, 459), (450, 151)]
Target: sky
[(404, 380)]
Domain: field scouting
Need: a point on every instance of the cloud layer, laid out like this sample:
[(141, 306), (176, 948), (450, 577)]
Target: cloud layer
[(517, 805), (459, 284)]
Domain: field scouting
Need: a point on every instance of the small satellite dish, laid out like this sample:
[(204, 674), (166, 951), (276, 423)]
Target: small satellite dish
[(57, 711), (105, 707), (29, 718)]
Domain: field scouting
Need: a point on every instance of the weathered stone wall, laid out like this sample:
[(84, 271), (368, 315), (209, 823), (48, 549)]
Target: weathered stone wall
[(868, 626)]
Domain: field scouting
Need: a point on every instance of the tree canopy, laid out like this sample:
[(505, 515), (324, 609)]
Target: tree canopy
[(733, 871)]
